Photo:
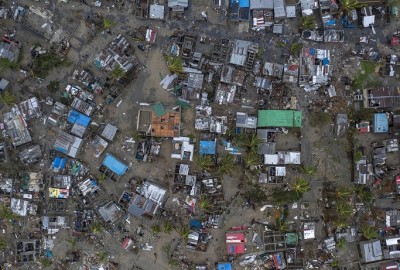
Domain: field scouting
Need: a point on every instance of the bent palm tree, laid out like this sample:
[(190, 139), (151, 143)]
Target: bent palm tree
[(281, 225), (183, 232), (301, 186), (369, 232), (344, 193), (175, 65), (7, 214), (96, 227), (226, 165), (117, 73), (167, 227), (344, 209), (204, 203), (8, 99), (251, 159), (155, 229)]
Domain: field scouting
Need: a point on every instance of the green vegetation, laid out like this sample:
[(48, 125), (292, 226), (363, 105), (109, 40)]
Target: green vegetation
[(184, 232), (3, 243), (280, 44), (205, 162), (167, 228), (53, 86), (46, 63), (301, 186), (65, 101), (174, 64), (319, 119), (281, 225), (101, 178), (116, 74), (348, 5), (364, 194), (204, 203), (340, 243), (344, 209), (8, 99), (108, 23), (256, 195), (96, 227), (344, 193), (281, 196), (369, 232), (295, 49), (260, 53), (358, 156), (155, 229), (45, 262), (251, 159), (249, 142), (102, 256), (227, 165), (308, 170), (308, 22), (72, 242), (7, 64), (394, 3), (7, 214), (366, 76)]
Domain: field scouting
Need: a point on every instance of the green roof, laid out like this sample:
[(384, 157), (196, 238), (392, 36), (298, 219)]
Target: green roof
[(158, 109), (279, 118)]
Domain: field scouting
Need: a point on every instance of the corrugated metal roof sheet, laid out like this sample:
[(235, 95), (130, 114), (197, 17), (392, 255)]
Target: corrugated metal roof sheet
[(261, 4)]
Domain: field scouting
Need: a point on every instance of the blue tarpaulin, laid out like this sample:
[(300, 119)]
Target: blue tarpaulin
[(244, 3), (113, 164), (381, 123), (59, 163), (224, 266), (207, 147), (195, 224), (77, 117)]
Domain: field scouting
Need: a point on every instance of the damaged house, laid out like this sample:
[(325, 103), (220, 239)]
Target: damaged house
[(383, 97), (30, 154), (68, 144), (182, 148), (314, 67), (243, 53), (17, 127), (112, 167), (262, 13), (203, 114)]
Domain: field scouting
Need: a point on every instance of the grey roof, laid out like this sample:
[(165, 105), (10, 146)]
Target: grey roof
[(291, 11), (277, 29), (371, 251), (3, 84), (245, 121), (261, 4), (78, 130), (279, 9), (178, 4), (239, 52), (109, 132), (16, 127), (9, 51), (195, 80), (266, 148), (157, 12), (31, 154)]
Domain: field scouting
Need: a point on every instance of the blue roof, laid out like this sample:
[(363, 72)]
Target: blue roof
[(59, 163), (208, 147), (77, 117), (224, 266), (115, 165), (381, 124)]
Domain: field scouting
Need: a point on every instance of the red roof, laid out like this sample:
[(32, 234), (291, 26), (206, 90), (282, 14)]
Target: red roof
[(395, 41), (398, 179), (235, 243)]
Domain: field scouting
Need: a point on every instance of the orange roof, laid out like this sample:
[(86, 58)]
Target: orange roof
[(167, 125)]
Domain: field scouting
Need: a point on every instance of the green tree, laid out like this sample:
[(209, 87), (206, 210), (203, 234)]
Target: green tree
[(102, 177), (308, 22), (281, 225), (8, 99), (369, 232), (7, 214), (108, 23), (340, 243), (394, 3), (301, 186), (96, 227), (3, 243), (295, 49), (72, 241), (256, 195), (344, 193), (364, 194), (184, 232), (349, 5), (102, 256), (341, 222), (167, 228), (227, 165), (175, 65), (250, 142), (117, 73), (7, 64), (344, 209), (205, 162), (155, 229), (53, 86), (204, 203), (282, 196), (308, 170), (251, 159)]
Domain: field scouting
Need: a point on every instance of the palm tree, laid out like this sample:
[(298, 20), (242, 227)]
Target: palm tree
[(281, 225), (108, 23), (117, 73), (308, 170), (183, 232), (344, 193), (3, 243), (341, 222), (251, 159), (175, 65), (348, 5), (301, 186), (155, 229), (102, 177), (364, 194), (72, 242), (7, 214), (45, 262), (250, 142), (227, 164), (204, 203), (340, 243), (8, 99), (96, 227), (369, 232), (167, 228), (308, 22), (205, 162), (344, 209), (102, 256)]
